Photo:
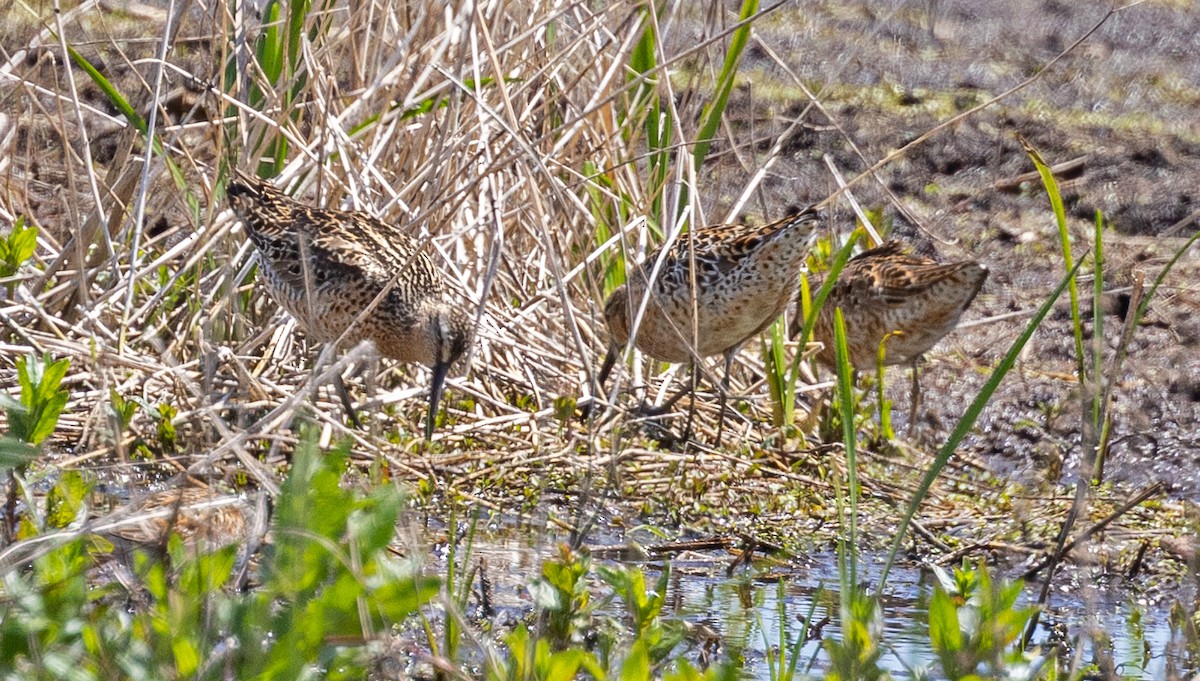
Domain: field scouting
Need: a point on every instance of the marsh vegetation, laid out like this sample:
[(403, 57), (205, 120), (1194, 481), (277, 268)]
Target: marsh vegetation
[(185, 497)]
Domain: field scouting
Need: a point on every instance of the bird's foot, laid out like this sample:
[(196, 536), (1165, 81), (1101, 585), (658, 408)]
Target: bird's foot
[(647, 410)]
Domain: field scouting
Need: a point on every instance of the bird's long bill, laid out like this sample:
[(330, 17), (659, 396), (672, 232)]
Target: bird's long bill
[(435, 396)]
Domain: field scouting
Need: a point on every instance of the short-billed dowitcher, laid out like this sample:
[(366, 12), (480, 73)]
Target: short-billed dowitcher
[(744, 278), (910, 300), (337, 271), (204, 519)]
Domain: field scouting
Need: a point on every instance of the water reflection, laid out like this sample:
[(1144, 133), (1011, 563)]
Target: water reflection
[(744, 609)]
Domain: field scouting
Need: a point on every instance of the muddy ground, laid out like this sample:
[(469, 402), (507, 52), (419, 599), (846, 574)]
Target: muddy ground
[(1123, 105)]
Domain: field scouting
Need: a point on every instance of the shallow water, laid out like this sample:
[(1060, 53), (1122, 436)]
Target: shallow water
[(744, 609)]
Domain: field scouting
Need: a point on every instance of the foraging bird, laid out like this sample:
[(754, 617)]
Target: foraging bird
[(910, 300), (745, 277), (204, 519), (327, 267)]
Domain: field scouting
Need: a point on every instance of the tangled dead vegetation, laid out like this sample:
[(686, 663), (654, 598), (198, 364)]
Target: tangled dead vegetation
[(143, 279), (530, 147)]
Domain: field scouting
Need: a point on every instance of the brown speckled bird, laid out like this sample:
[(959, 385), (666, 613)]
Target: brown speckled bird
[(327, 267), (745, 277), (886, 291), (204, 519)]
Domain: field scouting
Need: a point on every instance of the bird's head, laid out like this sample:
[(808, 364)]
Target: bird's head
[(257, 202), (451, 332)]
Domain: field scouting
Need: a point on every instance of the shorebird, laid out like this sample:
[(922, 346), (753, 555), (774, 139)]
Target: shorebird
[(909, 300), (203, 518), (744, 278), (345, 273)]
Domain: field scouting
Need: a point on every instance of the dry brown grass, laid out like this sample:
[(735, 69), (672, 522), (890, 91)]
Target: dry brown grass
[(534, 142), (146, 283)]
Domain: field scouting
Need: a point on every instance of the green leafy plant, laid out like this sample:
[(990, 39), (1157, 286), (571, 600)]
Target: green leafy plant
[(15, 453), (975, 625), (532, 658), (121, 410), (16, 248), (34, 416), (167, 436), (684, 671), (569, 630), (856, 654), (329, 585), (656, 637), (561, 594)]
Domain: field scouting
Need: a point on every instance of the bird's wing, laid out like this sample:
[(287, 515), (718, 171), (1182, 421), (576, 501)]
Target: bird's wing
[(727, 246), (901, 280), (358, 246)]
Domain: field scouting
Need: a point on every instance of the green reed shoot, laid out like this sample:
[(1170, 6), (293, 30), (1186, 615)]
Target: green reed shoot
[(715, 109), (967, 421), (1098, 417), (121, 103), (782, 379), (1064, 242), (610, 209), (848, 539), (646, 104), (785, 658), (885, 405)]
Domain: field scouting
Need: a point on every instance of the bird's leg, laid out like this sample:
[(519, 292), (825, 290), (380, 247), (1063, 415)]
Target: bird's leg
[(724, 390), (695, 382), (914, 398), (340, 386)]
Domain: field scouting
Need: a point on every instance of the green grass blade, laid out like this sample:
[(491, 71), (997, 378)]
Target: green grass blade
[(969, 417), (135, 119), (1064, 240), (270, 44), (1095, 387), (110, 91), (297, 12), (646, 105), (802, 636), (884, 405), (716, 108), (1162, 275), (810, 319), (845, 392)]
